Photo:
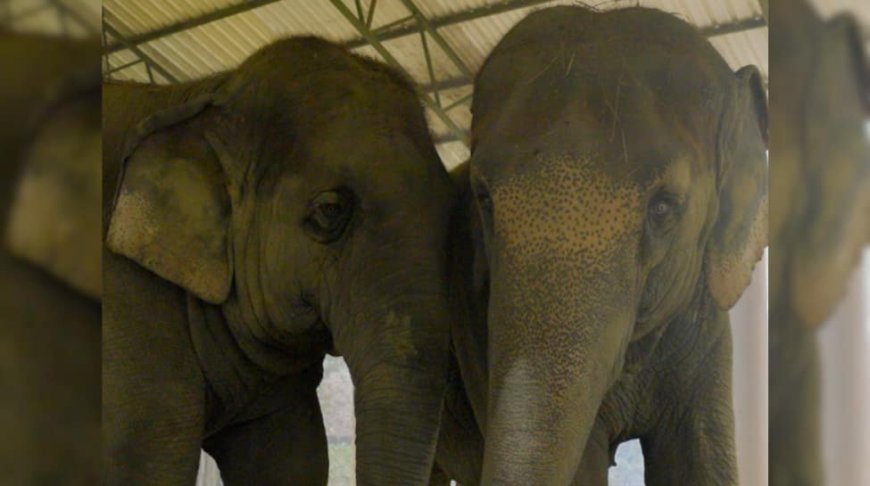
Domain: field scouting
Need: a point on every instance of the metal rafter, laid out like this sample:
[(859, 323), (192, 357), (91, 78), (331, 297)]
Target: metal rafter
[(428, 28), (436, 36), (371, 16), (709, 32), (416, 23), (450, 19), (397, 29), (384, 33), (378, 46), (112, 70), (104, 36), (430, 68), (149, 62), (221, 13)]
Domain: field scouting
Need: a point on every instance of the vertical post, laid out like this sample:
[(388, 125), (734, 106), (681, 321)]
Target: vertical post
[(428, 55)]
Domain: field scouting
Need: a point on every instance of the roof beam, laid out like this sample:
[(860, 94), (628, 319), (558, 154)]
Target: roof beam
[(221, 13), (433, 32), (392, 33), (110, 70), (370, 37), (382, 35), (733, 27), (713, 31), (450, 19), (445, 84), (145, 57)]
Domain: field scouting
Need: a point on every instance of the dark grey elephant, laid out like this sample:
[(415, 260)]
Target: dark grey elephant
[(820, 180), (618, 175), (264, 217), (49, 260)]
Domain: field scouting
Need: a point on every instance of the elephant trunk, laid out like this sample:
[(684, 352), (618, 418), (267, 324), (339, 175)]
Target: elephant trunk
[(398, 362), (554, 351), (398, 417)]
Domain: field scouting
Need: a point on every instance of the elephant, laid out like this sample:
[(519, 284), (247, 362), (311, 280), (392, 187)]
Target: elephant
[(264, 217), (50, 260), (617, 196), (820, 180)]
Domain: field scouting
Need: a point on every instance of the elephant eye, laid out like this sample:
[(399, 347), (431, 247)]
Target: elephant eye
[(663, 210), (484, 200), (328, 215)]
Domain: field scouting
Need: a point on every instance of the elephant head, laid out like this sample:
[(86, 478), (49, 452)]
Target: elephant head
[(619, 171), (303, 195), (50, 142), (821, 160), (54, 220)]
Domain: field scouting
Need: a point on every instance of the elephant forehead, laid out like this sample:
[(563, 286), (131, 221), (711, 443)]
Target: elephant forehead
[(569, 205)]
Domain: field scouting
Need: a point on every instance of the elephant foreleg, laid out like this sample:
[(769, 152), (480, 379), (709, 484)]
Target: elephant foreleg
[(795, 455), (286, 447), (153, 390), (439, 477), (694, 441), (596, 459)]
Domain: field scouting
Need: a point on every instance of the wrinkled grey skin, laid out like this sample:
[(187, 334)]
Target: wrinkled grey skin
[(820, 163), (230, 271), (618, 174), (49, 330)]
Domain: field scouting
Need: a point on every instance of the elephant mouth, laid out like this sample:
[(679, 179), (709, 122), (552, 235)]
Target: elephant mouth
[(327, 343), (330, 343)]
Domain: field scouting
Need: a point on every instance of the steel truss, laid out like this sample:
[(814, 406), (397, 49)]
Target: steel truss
[(416, 23)]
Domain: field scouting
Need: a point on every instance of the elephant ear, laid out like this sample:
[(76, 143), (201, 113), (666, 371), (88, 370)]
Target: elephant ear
[(739, 235), (835, 225), (54, 221), (172, 208)]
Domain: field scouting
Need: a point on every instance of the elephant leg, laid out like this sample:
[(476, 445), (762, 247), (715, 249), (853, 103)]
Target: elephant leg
[(153, 389), (596, 459), (285, 447), (439, 477), (693, 443), (50, 374), (795, 455)]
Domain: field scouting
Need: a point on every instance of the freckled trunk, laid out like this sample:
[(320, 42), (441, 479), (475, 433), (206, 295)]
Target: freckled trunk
[(400, 376), (555, 348)]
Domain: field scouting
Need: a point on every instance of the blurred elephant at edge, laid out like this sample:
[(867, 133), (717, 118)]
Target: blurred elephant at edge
[(820, 214), (50, 260)]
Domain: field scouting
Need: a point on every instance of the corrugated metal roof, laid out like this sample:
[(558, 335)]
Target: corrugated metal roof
[(223, 44)]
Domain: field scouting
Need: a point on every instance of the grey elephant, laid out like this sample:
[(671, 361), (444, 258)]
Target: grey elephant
[(49, 260), (820, 180), (618, 197), (264, 217)]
